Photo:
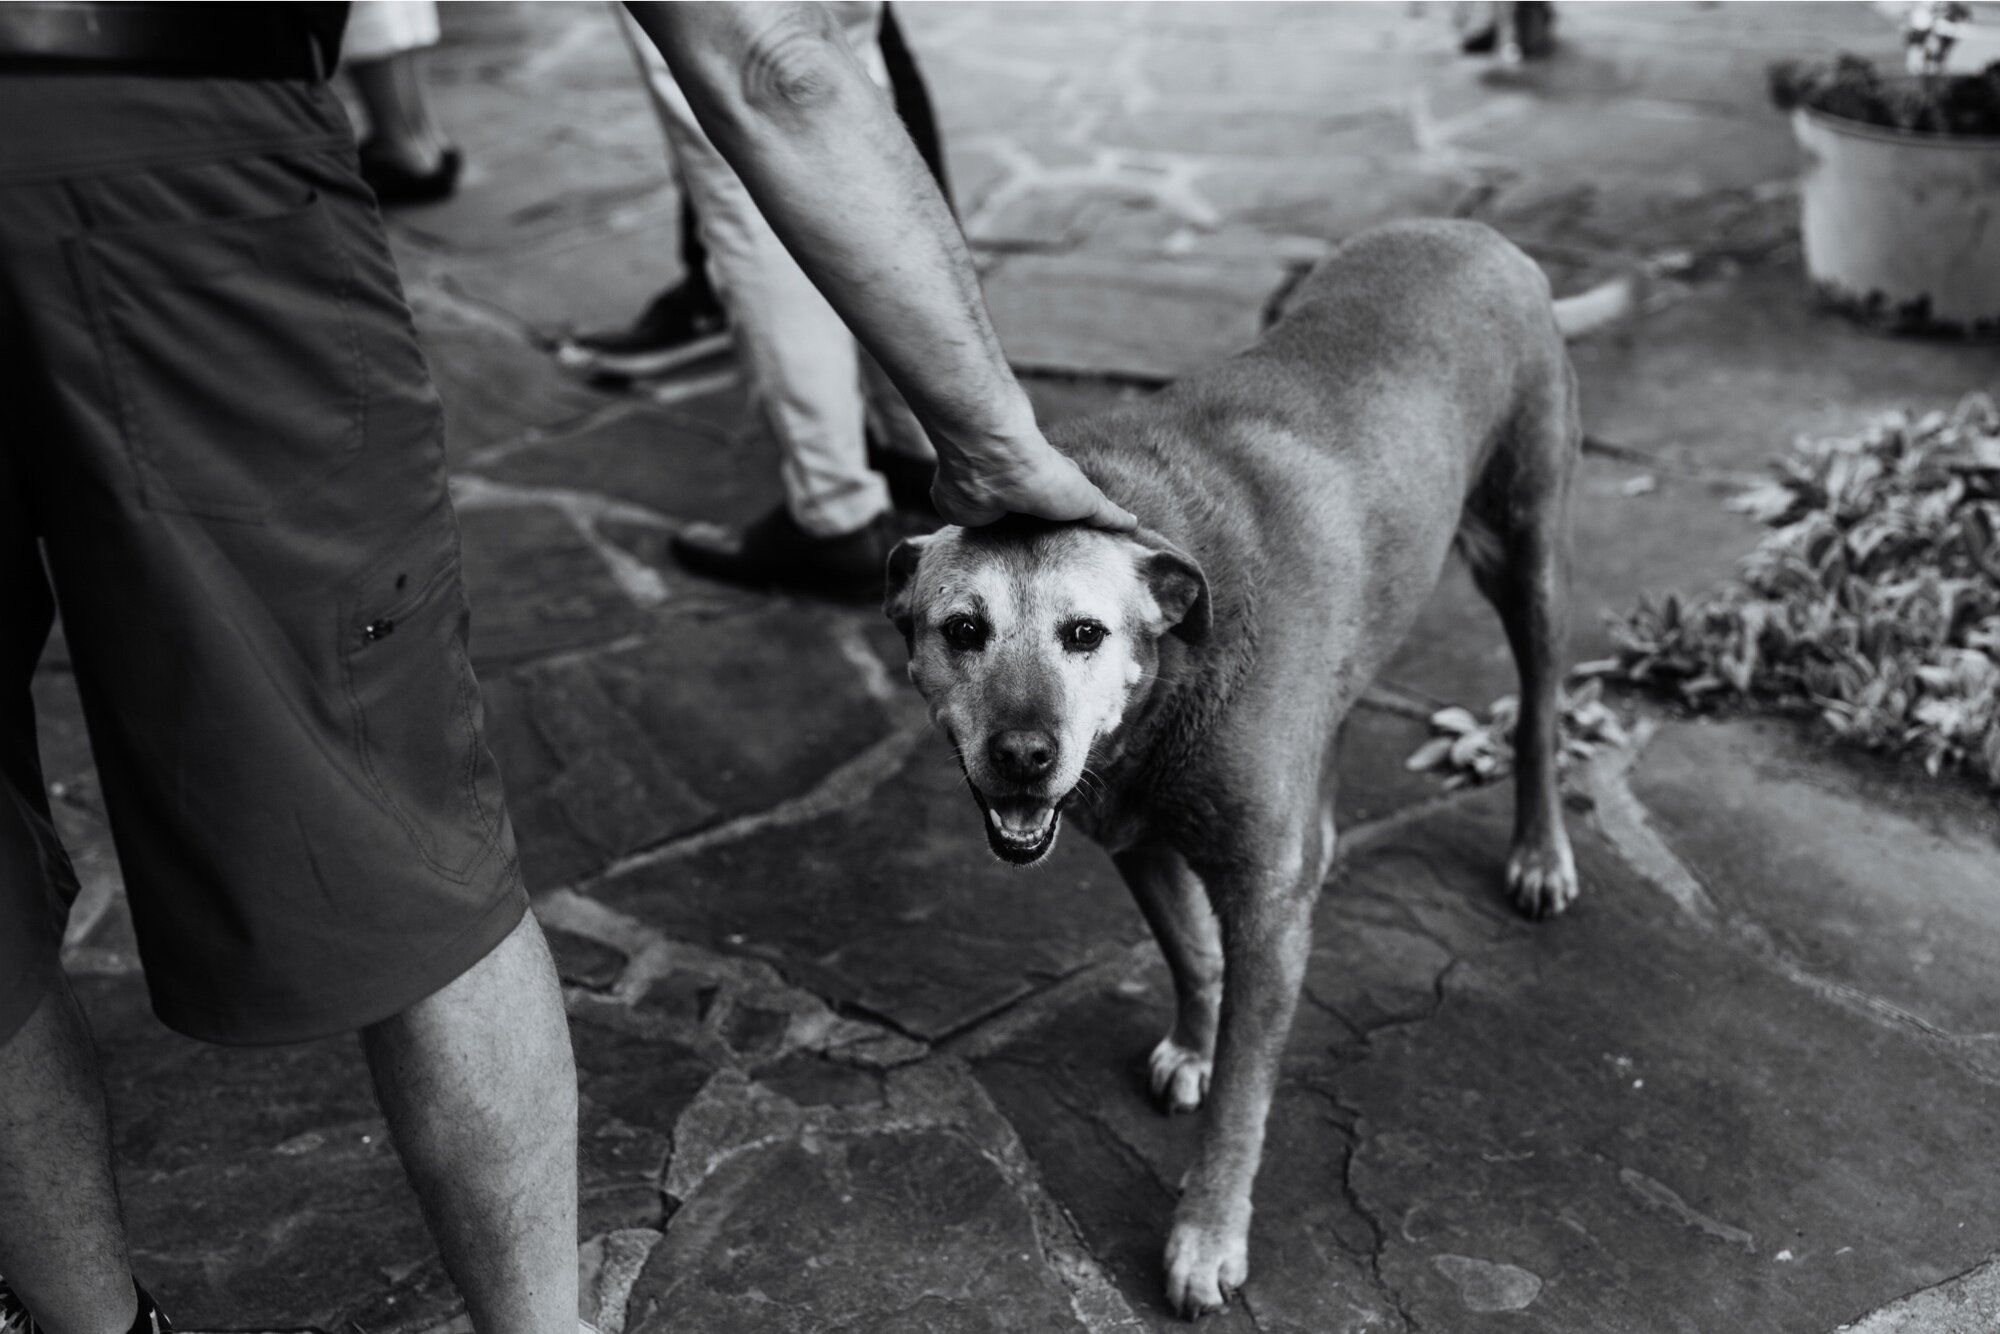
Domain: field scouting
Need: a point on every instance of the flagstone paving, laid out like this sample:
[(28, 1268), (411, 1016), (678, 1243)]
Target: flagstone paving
[(840, 1070)]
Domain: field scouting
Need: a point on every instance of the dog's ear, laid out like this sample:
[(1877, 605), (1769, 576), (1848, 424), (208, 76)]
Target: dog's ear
[(1178, 586), (898, 603)]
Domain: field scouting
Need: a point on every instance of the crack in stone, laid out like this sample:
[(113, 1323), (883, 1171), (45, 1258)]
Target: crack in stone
[(811, 1024), (639, 582), (534, 437), (844, 788), (1357, 1139), (1623, 821), (733, 1116), (987, 1033)]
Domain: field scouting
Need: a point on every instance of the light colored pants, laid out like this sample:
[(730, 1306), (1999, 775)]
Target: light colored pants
[(379, 28), (816, 390)]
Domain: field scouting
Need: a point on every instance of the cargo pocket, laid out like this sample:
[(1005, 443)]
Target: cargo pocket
[(415, 708), (232, 356)]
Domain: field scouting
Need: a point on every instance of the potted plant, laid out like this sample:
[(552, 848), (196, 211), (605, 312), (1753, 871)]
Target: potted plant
[(1900, 201)]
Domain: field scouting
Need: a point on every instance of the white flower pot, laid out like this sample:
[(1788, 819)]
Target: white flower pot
[(1902, 230)]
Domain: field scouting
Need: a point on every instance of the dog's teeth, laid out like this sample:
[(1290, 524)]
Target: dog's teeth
[(994, 816)]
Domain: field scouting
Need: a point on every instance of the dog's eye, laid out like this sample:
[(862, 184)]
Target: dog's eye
[(1083, 636), (964, 632)]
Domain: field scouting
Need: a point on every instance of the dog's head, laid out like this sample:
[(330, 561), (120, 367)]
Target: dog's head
[(1032, 642)]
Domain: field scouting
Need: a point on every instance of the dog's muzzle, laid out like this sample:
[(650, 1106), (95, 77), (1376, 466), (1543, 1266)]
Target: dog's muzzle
[(1019, 830)]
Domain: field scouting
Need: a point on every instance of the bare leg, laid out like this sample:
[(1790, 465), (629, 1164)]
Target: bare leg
[(400, 120), (62, 1240), (1176, 907), (479, 1087), (1267, 938)]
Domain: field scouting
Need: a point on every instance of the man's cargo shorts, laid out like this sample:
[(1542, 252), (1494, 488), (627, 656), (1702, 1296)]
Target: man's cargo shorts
[(221, 451)]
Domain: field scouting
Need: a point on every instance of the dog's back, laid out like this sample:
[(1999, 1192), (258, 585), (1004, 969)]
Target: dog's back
[(1337, 455)]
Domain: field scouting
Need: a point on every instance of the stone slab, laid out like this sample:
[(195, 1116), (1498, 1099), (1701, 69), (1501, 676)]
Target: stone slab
[(1374, 783), (600, 280), (1734, 373), (1667, 1134), (608, 753), (1900, 908), (906, 1212), (1333, 198), (1603, 1122), (1152, 320), (493, 383), (536, 586), (229, 1162), (670, 461), (895, 906)]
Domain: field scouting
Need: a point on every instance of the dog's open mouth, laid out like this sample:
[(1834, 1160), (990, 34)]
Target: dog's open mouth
[(1020, 830)]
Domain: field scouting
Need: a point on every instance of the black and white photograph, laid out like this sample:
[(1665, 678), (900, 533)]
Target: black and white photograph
[(1000, 667)]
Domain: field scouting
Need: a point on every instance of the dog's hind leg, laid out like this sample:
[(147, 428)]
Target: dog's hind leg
[(1516, 540), (1177, 908)]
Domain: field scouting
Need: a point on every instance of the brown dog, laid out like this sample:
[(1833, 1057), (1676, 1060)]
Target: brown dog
[(1178, 694)]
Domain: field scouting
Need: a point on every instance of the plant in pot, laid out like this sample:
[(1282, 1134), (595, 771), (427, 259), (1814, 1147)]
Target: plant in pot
[(1900, 201)]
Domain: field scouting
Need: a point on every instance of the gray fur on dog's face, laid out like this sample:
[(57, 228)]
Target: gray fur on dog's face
[(1031, 643)]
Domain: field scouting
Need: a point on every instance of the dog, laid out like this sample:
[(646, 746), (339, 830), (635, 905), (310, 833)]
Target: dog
[(1177, 693)]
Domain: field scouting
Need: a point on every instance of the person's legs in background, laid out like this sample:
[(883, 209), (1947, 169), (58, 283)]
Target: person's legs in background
[(407, 157), (831, 535), (686, 322), (680, 325)]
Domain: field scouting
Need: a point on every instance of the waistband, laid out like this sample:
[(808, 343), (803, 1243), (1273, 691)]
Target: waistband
[(76, 124), (250, 41)]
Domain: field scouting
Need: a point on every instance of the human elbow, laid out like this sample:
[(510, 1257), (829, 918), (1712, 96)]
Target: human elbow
[(795, 70)]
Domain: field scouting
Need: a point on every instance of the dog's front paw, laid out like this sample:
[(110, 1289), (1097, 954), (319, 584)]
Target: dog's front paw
[(1206, 1264), (1541, 879), (1179, 1075)]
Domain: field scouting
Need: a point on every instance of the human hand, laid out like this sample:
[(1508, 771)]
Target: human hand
[(1029, 476)]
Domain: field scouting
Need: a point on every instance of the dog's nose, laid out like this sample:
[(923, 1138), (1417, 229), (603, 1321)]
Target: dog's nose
[(1021, 755)]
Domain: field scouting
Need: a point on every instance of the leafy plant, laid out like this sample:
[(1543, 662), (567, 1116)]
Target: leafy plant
[(1873, 603), (1927, 100), (1467, 749)]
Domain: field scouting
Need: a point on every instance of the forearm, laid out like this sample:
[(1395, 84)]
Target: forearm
[(830, 166)]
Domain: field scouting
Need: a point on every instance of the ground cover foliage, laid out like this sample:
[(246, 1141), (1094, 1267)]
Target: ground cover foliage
[(1872, 604)]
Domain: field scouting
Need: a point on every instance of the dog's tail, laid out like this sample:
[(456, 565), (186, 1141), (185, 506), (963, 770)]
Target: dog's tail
[(1607, 303)]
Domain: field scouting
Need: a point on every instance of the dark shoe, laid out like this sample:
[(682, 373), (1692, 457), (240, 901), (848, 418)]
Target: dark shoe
[(909, 479), (14, 1317), (395, 183), (683, 324), (1534, 32), (775, 553)]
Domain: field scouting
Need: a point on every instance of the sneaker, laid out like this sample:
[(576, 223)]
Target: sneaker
[(775, 553), (684, 324), (395, 183)]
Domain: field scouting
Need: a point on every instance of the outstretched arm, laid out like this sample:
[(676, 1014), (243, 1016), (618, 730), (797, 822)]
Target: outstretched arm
[(822, 153)]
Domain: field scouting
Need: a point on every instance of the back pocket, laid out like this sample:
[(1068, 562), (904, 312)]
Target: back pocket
[(232, 354)]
